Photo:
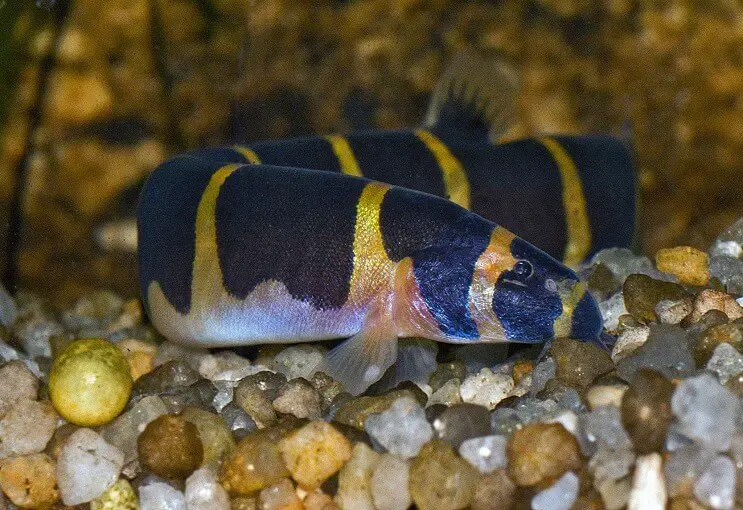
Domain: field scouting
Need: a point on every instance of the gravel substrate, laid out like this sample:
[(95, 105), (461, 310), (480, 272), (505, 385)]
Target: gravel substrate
[(655, 422)]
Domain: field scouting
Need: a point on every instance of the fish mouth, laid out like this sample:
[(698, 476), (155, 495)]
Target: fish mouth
[(580, 317)]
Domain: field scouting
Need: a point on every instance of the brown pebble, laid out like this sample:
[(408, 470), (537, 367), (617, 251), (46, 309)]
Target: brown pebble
[(521, 369), (710, 299), (542, 452), (642, 294), (357, 410), (730, 333), (494, 492), (314, 452), (30, 481), (690, 265), (318, 500), (170, 447), (255, 464), (578, 363), (440, 479)]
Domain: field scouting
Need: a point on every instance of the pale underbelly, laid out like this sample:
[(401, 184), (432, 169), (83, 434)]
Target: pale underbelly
[(269, 314)]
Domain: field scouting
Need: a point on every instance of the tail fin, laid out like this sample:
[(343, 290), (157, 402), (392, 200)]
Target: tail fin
[(475, 96)]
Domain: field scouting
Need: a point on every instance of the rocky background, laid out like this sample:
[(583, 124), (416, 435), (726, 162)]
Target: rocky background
[(133, 81)]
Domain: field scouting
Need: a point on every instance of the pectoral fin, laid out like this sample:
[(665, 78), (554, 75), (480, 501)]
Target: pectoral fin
[(361, 360)]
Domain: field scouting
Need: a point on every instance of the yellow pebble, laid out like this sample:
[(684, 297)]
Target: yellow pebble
[(90, 382), (690, 265)]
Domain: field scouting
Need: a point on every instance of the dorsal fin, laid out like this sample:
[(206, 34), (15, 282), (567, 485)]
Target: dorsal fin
[(475, 96)]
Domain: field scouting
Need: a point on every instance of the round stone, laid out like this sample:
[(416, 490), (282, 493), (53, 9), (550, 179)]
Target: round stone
[(90, 382), (440, 479), (540, 452), (646, 410), (170, 447)]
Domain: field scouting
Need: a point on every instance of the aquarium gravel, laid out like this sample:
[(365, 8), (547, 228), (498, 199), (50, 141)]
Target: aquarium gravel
[(655, 421)]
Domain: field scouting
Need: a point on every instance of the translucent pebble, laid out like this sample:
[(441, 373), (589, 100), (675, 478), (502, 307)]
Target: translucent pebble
[(486, 453), (608, 464), (402, 429), (648, 487), (93, 311), (87, 465), (729, 271), (203, 492), (726, 362), (716, 486), (543, 372), (486, 388), (707, 412), (602, 428), (725, 249), (733, 232), (460, 422), (225, 394), (299, 360), (611, 310), (531, 409), (559, 496), (389, 483), (684, 466), (666, 350), (622, 262), (124, 430), (161, 496), (505, 421), (33, 333), (280, 496)]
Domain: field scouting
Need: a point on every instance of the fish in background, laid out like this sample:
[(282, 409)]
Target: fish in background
[(235, 254), (571, 196)]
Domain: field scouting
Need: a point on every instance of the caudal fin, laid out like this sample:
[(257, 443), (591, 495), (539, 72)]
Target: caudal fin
[(476, 96)]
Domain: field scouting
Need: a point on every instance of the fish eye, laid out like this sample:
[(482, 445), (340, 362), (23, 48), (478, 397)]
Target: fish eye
[(550, 285), (523, 268)]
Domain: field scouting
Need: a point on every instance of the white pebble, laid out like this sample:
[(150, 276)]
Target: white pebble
[(161, 496), (87, 465), (486, 453), (648, 488), (203, 492), (402, 429), (560, 496), (629, 340), (567, 419), (606, 395), (225, 366), (716, 486), (27, 428), (299, 360), (486, 388), (389, 484)]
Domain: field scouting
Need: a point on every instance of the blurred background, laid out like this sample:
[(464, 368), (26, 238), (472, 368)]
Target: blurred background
[(95, 93)]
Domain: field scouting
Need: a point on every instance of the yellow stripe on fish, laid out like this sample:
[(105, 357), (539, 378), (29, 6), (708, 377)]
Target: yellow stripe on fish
[(344, 153), (574, 200), (455, 177)]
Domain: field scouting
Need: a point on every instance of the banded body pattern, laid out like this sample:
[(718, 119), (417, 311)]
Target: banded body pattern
[(554, 191), (323, 246)]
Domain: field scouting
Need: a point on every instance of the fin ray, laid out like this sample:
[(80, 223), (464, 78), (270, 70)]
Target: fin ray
[(476, 94)]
